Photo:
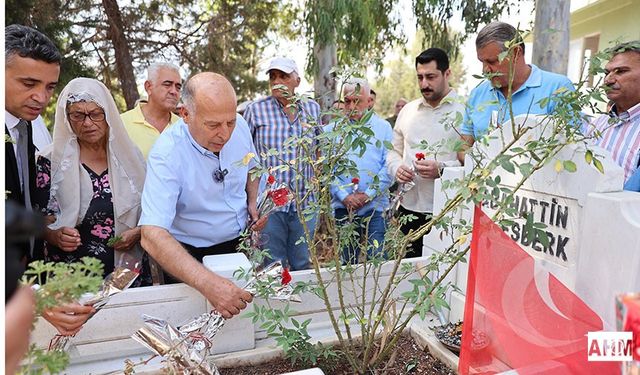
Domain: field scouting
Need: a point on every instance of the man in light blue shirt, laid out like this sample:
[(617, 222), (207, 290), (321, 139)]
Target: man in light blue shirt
[(529, 84), (362, 199), (198, 193)]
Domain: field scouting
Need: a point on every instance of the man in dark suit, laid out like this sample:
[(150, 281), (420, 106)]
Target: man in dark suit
[(32, 67)]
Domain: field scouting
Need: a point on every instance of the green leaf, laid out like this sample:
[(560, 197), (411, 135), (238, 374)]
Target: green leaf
[(588, 156), (598, 164), (569, 166), (507, 165)]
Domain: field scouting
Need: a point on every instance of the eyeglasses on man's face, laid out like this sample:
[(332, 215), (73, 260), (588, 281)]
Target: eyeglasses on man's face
[(77, 116)]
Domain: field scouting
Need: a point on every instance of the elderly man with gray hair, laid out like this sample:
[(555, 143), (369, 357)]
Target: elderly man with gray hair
[(147, 120), (198, 194), (363, 202), (525, 83)]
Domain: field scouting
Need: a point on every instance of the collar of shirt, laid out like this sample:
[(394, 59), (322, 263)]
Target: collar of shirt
[(195, 144), (449, 98), (139, 116), (630, 115), (10, 120), (534, 80)]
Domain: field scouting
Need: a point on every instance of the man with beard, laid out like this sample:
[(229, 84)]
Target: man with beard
[(147, 120), (511, 75), (424, 120), (619, 130)]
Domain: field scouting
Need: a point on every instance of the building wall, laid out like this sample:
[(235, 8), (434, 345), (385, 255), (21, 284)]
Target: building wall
[(596, 25), (612, 19)]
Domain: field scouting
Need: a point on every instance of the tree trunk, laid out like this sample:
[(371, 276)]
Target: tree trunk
[(551, 35), (124, 65), (324, 83)]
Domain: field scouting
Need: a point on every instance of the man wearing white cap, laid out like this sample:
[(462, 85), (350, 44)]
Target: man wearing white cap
[(272, 121)]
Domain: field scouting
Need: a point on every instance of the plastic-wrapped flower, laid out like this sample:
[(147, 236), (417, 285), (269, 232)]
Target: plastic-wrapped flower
[(419, 156), (280, 196), (355, 181)]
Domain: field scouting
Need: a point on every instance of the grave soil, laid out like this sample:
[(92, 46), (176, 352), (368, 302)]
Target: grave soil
[(410, 359)]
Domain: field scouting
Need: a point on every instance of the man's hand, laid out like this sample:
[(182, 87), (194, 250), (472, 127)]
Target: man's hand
[(128, 239), (428, 168), (225, 296), (65, 238), (355, 201), (68, 319), (404, 174), (258, 223)]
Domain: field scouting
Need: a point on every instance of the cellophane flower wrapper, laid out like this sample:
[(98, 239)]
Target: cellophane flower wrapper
[(403, 188), (274, 197), (186, 353), (355, 181), (123, 275), (188, 347)]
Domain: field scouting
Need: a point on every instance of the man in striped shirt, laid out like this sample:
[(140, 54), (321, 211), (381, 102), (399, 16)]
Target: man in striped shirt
[(273, 120), (619, 130)]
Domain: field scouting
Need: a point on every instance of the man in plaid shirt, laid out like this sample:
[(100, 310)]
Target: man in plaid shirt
[(273, 120)]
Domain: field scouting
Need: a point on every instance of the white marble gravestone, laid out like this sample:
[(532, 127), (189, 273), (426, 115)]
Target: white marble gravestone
[(593, 227)]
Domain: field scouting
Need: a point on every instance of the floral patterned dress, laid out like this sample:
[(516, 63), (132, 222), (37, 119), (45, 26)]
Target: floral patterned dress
[(97, 227)]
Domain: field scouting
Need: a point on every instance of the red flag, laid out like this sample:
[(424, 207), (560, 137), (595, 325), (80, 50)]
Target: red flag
[(508, 324)]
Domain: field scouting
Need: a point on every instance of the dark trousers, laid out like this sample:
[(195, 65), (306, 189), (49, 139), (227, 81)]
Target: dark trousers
[(200, 252), (415, 248)]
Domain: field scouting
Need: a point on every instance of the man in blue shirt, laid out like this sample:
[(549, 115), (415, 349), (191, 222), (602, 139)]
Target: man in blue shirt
[(273, 121), (363, 198), (198, 193), (528, 84)]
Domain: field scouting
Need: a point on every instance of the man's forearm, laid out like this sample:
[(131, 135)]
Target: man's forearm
[(468, 142), (173, 258), (253, 185)]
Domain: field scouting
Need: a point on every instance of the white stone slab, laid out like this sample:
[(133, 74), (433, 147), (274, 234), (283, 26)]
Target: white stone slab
[(311, 371), (226, 265), (107, 334), (610, 257)]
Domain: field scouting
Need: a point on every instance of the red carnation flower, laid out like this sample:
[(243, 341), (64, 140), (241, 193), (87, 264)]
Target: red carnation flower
[(271, 180), (286, 276), (279, 196), (355, 180), (419, 156)]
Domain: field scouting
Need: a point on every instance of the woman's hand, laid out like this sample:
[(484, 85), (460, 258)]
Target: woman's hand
[(65, 238), (128, 239), (68, 319)]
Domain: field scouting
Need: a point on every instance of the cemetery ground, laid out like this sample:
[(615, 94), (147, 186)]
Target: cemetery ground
[(409, 358)]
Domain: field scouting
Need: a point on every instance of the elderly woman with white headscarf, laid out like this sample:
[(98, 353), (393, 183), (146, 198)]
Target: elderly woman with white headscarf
[(90, 179)]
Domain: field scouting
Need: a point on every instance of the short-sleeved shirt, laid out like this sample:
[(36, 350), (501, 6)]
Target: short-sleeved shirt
[(143, 134), (486, 99), (620, 135), (371, 165), (270, 127), (181, 194)]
